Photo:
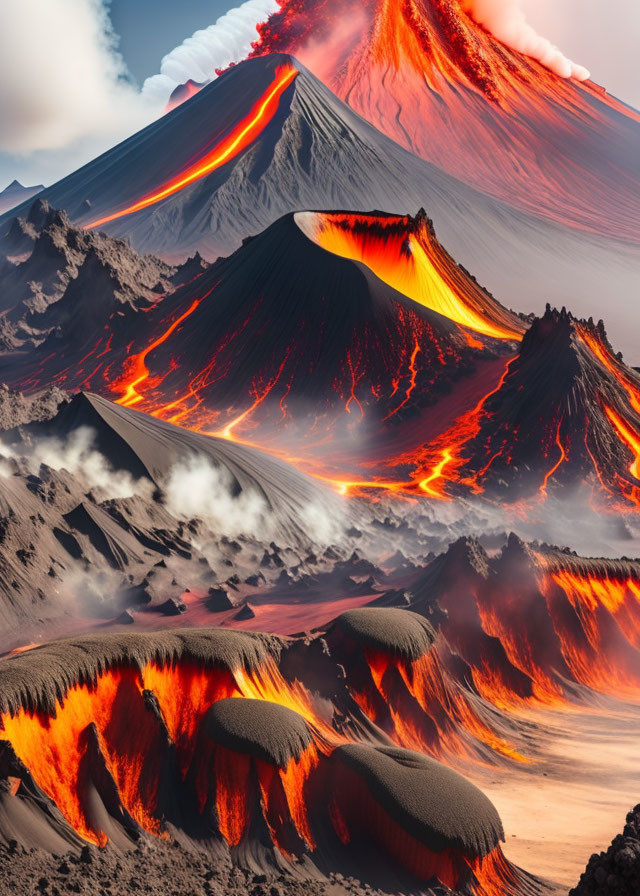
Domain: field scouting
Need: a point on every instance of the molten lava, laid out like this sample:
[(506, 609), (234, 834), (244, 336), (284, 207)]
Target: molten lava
[(425, 73), (422, 708), (406, 255), (245, 132), (57, 752), (526, 639)]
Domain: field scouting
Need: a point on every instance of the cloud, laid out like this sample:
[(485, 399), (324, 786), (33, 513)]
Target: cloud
[(507, 21), (197, 58), (196, 488), (62, 77)]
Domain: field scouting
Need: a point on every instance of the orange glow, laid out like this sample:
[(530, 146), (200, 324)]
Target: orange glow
[(233, 779), (441, 461), (629, 437), (618, 370), (440, 719), (554, 468), (435, 81), (54, 748), (240, 137), (411, 260), (136, 371)]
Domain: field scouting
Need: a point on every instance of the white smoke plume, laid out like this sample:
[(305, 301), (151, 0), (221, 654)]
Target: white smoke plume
[(506, 20), (78, 455), (228, 40), (62, 77), (196, 488)]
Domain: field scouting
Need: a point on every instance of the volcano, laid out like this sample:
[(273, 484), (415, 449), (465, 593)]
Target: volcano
[(566, 411), (107, 519), (437, 82), (282, 142), (349, 316)]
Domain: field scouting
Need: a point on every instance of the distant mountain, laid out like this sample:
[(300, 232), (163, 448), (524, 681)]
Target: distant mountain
[(15, 194)]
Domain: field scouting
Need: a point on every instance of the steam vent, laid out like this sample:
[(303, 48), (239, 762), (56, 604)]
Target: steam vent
[(319, 450)]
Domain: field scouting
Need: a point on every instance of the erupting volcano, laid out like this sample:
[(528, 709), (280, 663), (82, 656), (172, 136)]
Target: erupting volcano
[(433, 79), (317, 518)]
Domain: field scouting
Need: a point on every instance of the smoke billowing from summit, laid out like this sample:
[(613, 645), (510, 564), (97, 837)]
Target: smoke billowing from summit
[(506, 20)]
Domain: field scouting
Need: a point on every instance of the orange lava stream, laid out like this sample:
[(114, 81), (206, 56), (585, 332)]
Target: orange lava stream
[(136, 371), (413, 263), (554, 468), (629, 437), (427, 75), (615, 368), (452, 728), (240, 137), (441, 461)]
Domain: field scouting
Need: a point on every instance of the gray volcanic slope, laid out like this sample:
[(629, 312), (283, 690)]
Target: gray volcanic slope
[(146, 446), (436, 805), (317, 153)]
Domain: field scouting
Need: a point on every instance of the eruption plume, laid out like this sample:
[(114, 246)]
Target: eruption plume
[(506, 20)]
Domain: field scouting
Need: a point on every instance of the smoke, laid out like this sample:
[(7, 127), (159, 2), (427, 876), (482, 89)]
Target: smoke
[(62, 77), (196, 488), (78, 455), (506, 20), (216, 47)]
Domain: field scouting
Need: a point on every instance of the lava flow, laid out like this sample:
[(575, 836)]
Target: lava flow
[(91, 725), (240, 137), (426, 74), (541, 625), (405, 253)]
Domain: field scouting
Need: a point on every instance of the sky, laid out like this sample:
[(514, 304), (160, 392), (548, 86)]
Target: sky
[(75, 97)]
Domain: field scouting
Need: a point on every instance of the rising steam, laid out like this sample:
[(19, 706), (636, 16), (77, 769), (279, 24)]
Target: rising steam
[(506, 20), (197, 58), (196, 488)]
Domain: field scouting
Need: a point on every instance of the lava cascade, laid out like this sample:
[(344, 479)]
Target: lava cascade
[(54, 746), (438, 83), (532, 624), (404, 253)]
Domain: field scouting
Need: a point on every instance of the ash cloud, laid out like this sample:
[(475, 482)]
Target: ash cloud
[(506, 20), (196, 488), (78, 455)]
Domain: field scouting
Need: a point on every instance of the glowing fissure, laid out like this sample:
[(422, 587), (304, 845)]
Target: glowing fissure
[(440, 719), (587, 631), (245, 132)]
